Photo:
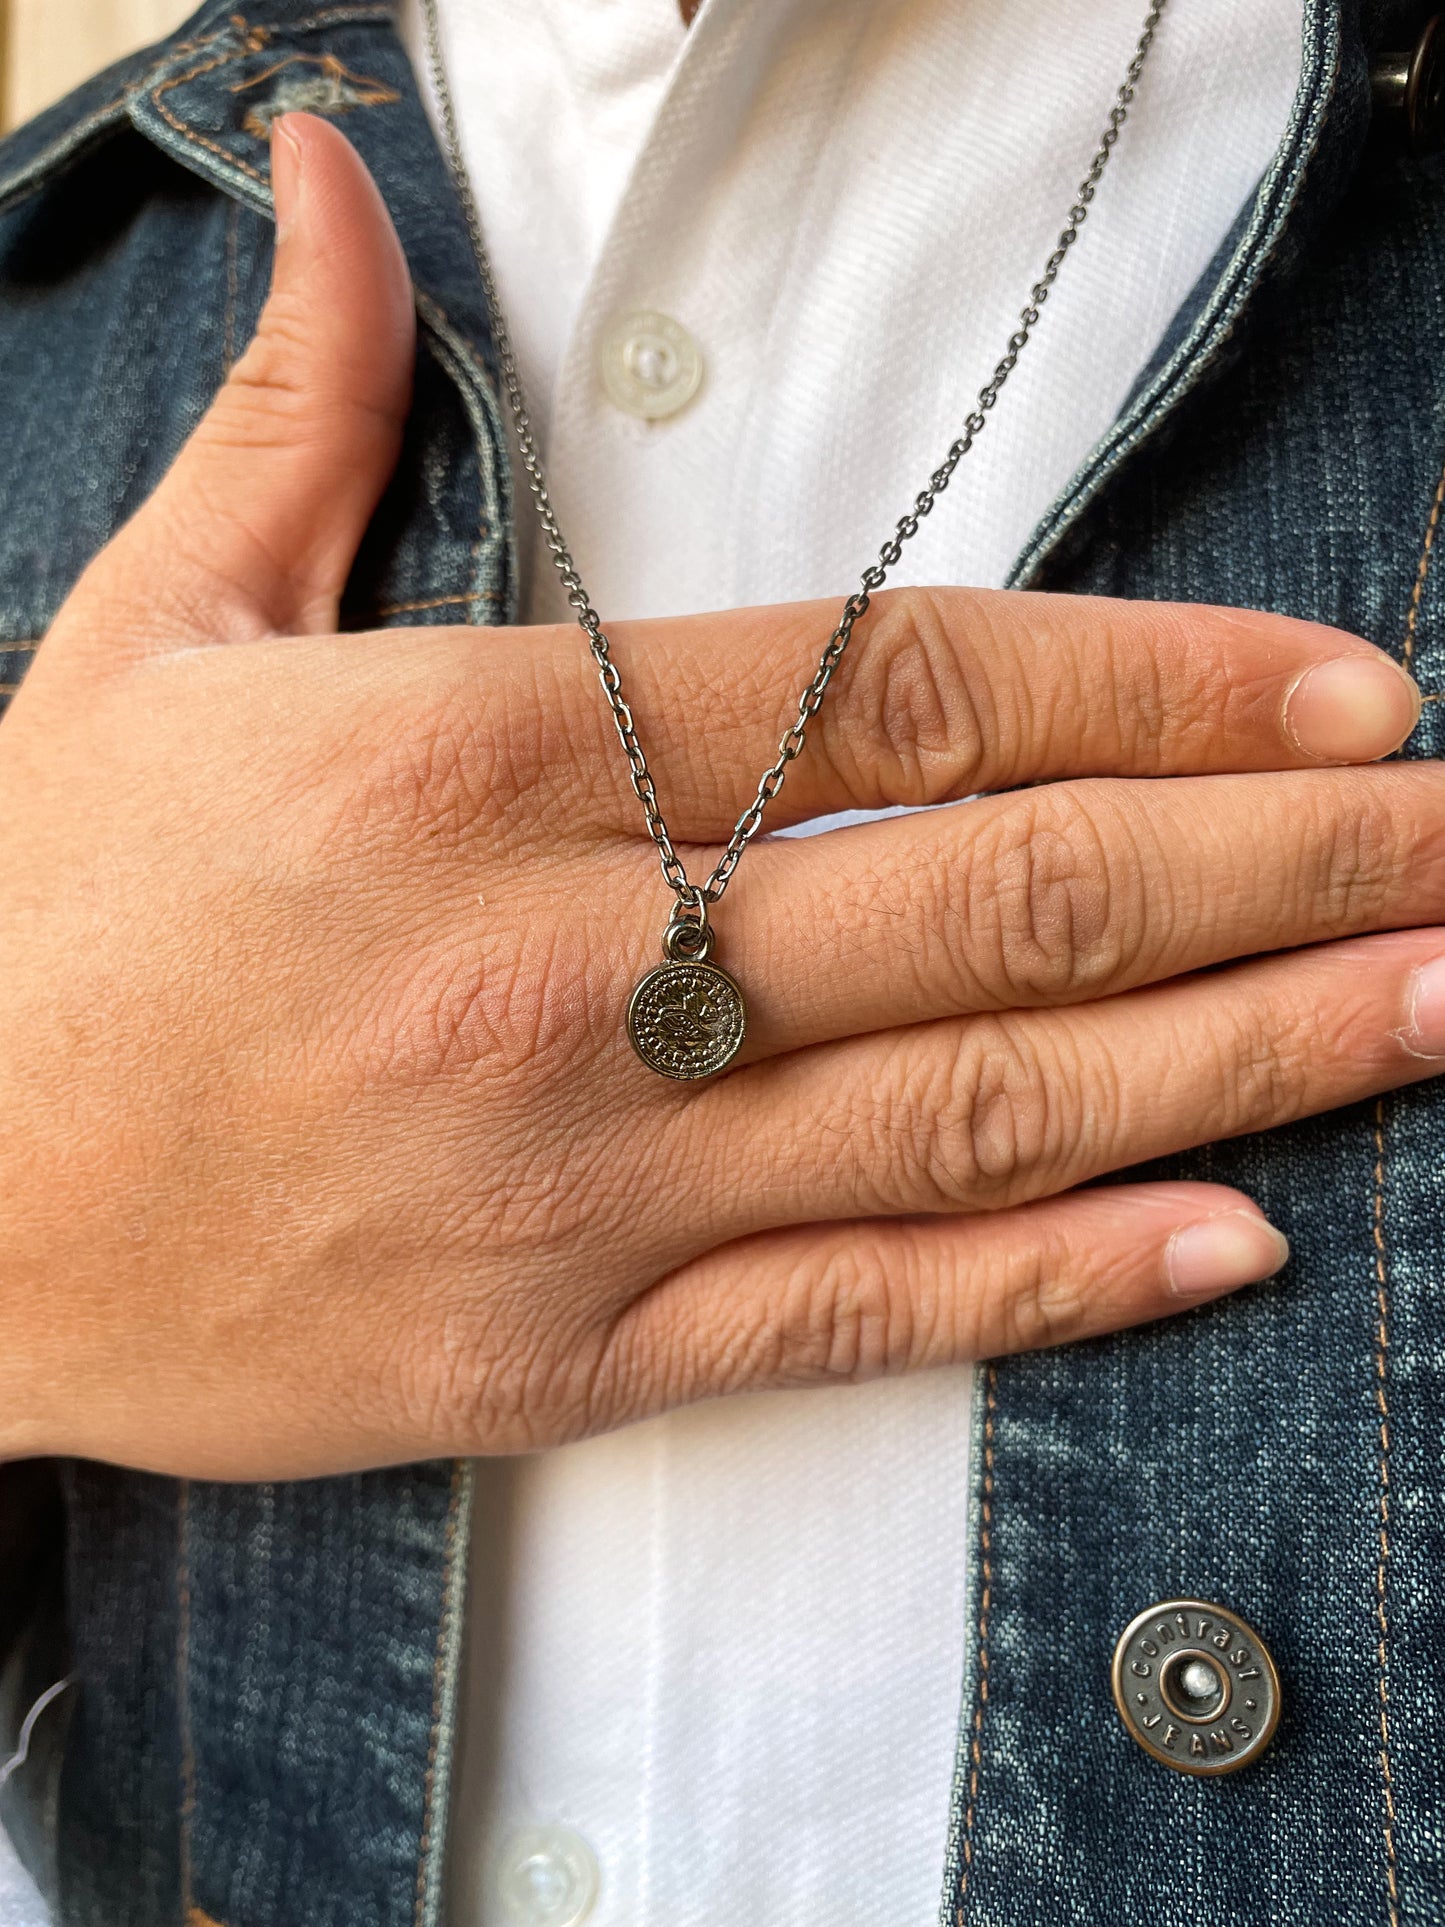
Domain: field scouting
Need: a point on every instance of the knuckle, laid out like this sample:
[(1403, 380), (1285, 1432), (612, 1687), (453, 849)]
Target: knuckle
[(656, 1353), (1164, 699), (1145, 707), (482, 984), (1263, 1069), (1058, 898), (534, 1359), (910, 728), (1423, 835), (684, 1348), (417, 780), (1175, 690), (1419, 888), (844, 1320), (981, 1125), (1042, 1300), (1358, 859)]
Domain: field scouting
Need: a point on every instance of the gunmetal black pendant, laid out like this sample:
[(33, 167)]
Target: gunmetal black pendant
[(687, 1018)]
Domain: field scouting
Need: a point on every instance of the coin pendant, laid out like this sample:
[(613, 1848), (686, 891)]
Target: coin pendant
[(686, 1020)]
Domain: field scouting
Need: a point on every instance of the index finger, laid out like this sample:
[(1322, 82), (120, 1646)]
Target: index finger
[(945, 692)]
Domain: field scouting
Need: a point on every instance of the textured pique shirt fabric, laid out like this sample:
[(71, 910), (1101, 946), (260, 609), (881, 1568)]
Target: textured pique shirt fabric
[(725, 1647)]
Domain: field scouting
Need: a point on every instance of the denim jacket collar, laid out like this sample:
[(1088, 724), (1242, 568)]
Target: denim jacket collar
[(210, 97), (207, 96)]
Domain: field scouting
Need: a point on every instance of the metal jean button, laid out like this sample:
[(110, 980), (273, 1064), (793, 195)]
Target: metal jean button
[(1408, 91), (1196, 1687)]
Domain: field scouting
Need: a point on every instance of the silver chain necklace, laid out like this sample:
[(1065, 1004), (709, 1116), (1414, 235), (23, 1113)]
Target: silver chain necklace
[(687, 1017)]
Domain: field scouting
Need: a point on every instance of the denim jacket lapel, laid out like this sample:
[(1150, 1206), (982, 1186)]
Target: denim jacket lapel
[(208, 98)]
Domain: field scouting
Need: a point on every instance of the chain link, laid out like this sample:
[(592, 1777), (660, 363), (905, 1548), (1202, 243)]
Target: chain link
[(693, 899)]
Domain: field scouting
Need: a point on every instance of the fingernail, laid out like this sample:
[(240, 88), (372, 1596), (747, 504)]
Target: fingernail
[(1351, 710), (1219, 1254), (1424, 1032), (285, 176)]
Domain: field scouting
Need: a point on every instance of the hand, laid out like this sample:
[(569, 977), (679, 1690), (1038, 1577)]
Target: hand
[(324, 1143)]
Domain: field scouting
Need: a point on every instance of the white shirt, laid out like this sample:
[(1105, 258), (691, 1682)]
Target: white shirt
[(722, 1650), (719, 1654)]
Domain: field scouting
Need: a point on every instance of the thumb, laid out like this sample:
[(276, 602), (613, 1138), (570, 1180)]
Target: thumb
[(254, 529)]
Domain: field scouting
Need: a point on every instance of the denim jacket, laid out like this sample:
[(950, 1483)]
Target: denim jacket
[(259, 1733)]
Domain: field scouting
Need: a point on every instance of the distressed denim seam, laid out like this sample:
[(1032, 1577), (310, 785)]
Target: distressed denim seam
[(414, 608), (183, 1688), (428, 1886), (249, 45), (450, 338), (981, 1624), (228, 325), (37, 171), (254, 39), (387, 96), (1382, 1404), (1422, 570), (73, 138)]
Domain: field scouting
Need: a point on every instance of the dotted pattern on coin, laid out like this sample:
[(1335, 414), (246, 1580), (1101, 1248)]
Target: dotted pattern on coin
[(1196, 1687), (686, 1019)]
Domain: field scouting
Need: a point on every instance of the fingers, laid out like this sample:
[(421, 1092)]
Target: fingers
[(1073, 891), (820, 1304), (985, 1112), (945, 692), (255, 527)]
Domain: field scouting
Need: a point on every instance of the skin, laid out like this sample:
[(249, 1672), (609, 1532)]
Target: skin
[(324, 1143)]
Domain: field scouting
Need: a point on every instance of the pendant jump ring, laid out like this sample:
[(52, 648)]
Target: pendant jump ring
[(687, 939)]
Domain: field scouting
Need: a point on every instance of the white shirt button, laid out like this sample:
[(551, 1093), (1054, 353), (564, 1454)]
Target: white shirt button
[(547, 1877), (651, 366)]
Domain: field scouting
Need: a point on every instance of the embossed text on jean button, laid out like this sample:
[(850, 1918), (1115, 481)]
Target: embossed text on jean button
[(1196, 1687)]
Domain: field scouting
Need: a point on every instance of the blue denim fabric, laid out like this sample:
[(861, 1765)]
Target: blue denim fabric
[(261, 1731), (1281, 1454)]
